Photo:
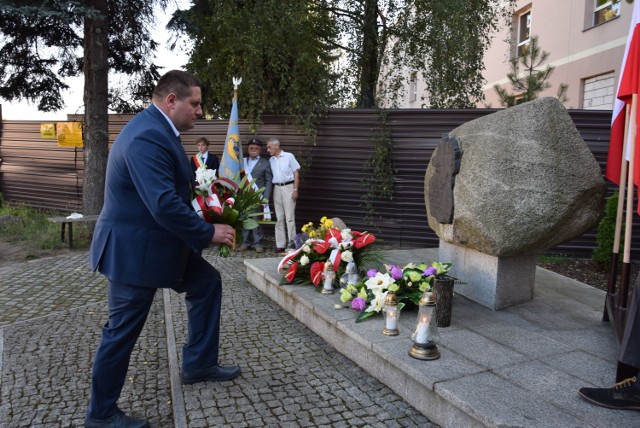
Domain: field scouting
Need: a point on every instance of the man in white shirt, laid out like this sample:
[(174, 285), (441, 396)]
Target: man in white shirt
[(284, 168)]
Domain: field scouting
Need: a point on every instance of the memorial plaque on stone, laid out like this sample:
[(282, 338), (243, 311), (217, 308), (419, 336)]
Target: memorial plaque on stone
[(446, 163)]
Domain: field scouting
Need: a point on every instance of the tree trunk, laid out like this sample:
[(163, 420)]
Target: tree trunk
[(369, 58), (96, 116)]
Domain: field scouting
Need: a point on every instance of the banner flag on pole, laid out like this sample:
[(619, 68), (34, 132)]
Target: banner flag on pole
[(231, 163), (628, 85)]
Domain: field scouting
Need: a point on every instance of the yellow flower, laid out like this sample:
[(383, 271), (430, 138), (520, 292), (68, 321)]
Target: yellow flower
[(328, 223)]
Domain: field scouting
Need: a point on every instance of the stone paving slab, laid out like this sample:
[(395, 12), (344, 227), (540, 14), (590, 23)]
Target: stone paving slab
[(45, 286), (46, 369), (497, 367), (51, 312), (291, 377), (50, 321)]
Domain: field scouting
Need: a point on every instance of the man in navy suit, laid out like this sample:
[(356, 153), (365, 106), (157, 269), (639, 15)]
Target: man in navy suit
[(260, 169), (203, 155), (148, 237)]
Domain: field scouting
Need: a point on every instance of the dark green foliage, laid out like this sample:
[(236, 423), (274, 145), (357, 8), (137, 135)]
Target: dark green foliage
[(286, 52), (42, 44), (380, 183), (444, 42), (279, 48), (606, 234)]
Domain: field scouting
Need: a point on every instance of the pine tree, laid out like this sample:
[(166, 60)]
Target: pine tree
[(532, 80)]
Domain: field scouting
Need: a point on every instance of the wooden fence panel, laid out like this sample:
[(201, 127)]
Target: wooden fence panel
[(39, 173)]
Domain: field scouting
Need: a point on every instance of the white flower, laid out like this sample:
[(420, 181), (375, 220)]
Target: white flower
[(304, 260), (347, 256), (378, 301), (205, 177), (346, 235), (379, 282), (306, 248)]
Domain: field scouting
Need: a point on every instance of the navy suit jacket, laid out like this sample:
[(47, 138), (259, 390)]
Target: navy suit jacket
[(147, 229)]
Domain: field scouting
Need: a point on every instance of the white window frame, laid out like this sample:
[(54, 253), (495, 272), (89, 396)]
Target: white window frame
[(413, 87), (606, 5), (522, 42)]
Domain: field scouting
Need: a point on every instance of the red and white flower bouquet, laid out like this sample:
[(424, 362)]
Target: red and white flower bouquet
[(221, 200), (305, 264)]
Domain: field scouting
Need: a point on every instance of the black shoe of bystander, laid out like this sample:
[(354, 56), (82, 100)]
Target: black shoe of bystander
[(623, 395)]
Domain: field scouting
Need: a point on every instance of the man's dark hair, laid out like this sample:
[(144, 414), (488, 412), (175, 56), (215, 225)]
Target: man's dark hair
[(177, 81)]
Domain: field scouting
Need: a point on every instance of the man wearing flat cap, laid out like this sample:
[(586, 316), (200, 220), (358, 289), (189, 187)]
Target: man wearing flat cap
[(259, 169)]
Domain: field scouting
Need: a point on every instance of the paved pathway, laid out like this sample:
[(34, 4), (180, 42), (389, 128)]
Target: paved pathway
[(51, 312)]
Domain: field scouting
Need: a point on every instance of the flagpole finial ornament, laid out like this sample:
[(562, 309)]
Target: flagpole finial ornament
[(236, 82)]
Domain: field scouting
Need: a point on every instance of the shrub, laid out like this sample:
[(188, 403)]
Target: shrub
[(606, 232)]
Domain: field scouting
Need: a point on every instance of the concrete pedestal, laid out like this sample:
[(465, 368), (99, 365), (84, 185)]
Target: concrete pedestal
[(494, 282)]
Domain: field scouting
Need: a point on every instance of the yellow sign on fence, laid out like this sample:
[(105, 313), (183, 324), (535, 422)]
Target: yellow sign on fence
[(48, 130), (69, 134)]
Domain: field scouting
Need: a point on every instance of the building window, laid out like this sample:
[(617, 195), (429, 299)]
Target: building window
[(524, 33), (605, 10), (598, 92), (519, 99), (413, 87)]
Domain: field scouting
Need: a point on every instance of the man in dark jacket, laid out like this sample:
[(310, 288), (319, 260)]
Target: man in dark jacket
[(148, 237)]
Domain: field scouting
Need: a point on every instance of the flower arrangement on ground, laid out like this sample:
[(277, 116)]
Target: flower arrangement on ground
[(322, 243), (408, 283), (221, 200)]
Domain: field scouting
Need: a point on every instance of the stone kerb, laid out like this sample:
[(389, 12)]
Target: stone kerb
[(503, 187)]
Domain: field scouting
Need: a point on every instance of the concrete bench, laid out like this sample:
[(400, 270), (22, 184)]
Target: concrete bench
[(64, 221)]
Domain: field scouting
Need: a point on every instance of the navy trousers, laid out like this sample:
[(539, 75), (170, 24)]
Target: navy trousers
[(629, 352), (128, 309)]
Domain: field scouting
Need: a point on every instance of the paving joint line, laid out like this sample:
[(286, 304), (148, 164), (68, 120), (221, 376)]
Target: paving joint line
[(177, 396)]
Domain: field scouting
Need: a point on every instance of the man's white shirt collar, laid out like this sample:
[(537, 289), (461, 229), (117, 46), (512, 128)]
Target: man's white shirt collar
[(175, 131)]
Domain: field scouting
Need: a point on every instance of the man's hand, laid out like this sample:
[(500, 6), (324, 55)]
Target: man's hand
[(223, 234)]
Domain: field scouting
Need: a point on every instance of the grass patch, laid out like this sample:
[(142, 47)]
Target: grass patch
[(31, 225)]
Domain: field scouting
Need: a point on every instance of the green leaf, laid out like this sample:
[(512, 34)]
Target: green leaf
[(249, 224), (364, 315)]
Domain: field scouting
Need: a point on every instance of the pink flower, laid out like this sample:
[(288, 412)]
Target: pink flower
[(358, 304)]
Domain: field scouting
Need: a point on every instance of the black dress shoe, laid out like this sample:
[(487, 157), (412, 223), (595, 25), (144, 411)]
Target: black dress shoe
[(117, 420), (623, 395), (215, 374)]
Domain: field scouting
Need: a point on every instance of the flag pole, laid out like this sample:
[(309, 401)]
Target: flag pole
[(613, 267), (626, 263)]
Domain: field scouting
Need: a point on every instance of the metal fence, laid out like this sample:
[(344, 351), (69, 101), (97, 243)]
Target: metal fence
[(39, 173)]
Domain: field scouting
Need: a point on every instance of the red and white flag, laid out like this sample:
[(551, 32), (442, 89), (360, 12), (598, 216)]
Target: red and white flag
[(628, 85)]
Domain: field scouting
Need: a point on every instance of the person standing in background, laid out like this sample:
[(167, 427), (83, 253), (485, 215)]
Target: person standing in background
[(286, 178), (259, 169), (209, 159)]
